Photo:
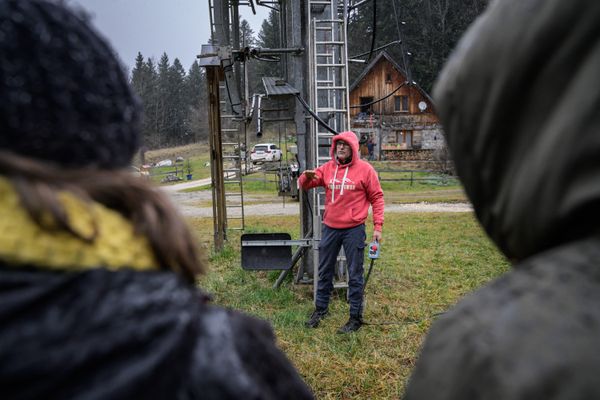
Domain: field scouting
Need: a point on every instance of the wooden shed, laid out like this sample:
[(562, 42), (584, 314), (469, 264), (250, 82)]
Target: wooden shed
[(395, 113)]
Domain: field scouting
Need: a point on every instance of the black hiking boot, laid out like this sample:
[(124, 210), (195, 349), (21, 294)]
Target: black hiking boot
[(315, 318), (353, 324)]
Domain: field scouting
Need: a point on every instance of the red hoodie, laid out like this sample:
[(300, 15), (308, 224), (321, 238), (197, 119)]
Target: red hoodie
[(349, 188)]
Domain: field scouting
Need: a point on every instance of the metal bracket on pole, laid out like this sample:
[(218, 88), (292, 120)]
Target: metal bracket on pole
[(226, 57)]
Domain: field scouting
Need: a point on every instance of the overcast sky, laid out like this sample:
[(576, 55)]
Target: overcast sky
[(177, 27)]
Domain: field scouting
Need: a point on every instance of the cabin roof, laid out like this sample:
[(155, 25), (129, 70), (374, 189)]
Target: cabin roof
[(384, 54)]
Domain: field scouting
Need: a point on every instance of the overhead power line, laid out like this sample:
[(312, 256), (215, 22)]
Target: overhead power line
[(383, 98)]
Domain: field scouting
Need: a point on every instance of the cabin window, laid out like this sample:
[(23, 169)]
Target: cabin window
[(365, 106), (404, 139), (401, 103), (388, 77)]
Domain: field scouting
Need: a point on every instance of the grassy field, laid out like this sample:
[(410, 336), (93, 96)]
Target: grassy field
[(197, 154), (428, 262), (398, 187)]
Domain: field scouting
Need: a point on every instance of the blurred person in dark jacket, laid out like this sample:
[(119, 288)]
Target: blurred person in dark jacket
[(519, 100), (97, 270)]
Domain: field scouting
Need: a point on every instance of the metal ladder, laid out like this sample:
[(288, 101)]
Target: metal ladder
[(231, 129), (329, 98), (232, 147)]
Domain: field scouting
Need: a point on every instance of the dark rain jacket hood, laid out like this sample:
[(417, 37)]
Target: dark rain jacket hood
[(520, 108), (519, 101)]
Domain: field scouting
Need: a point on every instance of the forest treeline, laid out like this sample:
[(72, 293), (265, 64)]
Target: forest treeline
[(428, 30), (425, 32), (175, 107)]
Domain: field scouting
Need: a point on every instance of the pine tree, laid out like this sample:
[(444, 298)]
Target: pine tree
[(162, 105), (143, 82), (177, 104), (195, 86), (137, 75), (151, 106), (196, 121), (175, 108), (253, 73), (268, 37), (246, 34)]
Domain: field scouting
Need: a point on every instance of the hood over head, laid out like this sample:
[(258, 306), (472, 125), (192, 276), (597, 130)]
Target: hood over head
[(350, 138), (520, 100)]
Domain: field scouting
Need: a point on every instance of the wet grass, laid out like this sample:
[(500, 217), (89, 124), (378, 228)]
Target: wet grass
[(197, 154), (428, 262)]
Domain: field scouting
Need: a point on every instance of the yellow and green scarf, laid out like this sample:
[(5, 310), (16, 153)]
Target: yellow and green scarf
[(23, 242)]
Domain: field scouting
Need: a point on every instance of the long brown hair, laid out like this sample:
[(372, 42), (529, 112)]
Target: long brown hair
[(149, 210)]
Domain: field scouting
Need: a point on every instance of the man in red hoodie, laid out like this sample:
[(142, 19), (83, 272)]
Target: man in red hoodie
[(351, 186)]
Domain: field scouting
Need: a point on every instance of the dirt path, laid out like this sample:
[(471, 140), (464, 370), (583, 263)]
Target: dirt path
[(194, 204), (186, 185)]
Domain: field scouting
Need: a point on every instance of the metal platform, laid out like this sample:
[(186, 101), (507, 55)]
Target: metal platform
[(278, 87)]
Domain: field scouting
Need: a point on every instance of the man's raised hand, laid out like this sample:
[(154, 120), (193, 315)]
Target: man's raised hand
[(310, 174)]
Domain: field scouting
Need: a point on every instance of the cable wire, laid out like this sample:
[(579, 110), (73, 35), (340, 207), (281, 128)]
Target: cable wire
[(383, 98), (404, 63), (315, 116), (374, 29), (379, 48)]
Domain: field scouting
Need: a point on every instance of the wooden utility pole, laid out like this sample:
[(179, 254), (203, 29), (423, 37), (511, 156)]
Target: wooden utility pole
[(216, 158)]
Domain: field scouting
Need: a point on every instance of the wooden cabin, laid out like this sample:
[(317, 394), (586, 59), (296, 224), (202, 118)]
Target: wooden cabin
[(404, 125)]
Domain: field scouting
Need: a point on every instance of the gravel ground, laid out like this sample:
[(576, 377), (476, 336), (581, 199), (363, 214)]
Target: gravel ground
[(189, 205)]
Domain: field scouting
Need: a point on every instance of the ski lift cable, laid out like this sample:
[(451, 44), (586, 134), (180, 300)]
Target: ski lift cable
[(229, 68), (383, 98), (377, 49), (373, 36), (314, 115), (405, 64)]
